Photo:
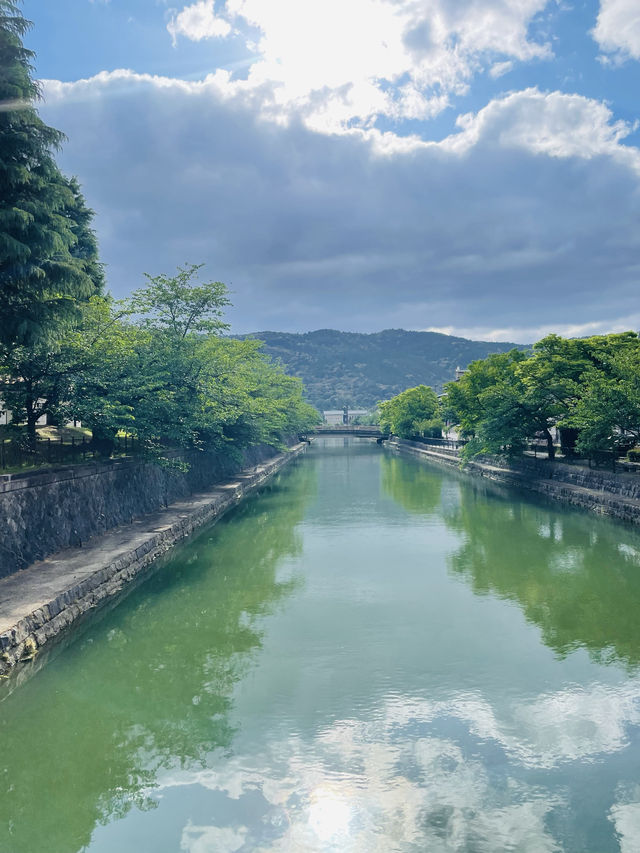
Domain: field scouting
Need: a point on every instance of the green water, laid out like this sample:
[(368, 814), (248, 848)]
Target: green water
[(372, 655)]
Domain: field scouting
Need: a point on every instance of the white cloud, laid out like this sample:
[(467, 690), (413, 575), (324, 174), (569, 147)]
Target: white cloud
[(204, 839), (530, 334), (198, 22), (553, 124), (500, 68), (552, 729), (391, 793), (337, 63), (617, 29)]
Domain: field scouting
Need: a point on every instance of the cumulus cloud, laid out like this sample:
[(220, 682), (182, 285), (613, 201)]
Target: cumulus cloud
[(554, 124), (404, 63), (531, 203), (617, 29), (576, 724), (198, 22)]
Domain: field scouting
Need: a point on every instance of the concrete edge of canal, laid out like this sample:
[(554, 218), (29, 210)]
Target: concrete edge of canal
[(43, 601), (615, 495)]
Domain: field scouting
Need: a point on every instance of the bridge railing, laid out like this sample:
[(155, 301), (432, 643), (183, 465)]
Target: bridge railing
[(375, 431), (446, 443), (346, 428)]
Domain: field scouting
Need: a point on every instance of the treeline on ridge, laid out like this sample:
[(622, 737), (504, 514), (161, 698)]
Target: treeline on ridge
[(357, 369)]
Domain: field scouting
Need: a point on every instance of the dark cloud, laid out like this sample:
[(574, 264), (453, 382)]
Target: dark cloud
[(508, 227)]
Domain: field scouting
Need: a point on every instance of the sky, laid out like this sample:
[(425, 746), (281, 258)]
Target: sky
[(465, 166)]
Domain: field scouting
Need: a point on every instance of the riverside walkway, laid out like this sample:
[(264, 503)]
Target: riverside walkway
[(40, 601)]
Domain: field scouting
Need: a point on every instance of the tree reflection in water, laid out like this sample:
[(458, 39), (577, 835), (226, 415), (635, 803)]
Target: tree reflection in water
[(415, 487), (151, 687), (574, 575)]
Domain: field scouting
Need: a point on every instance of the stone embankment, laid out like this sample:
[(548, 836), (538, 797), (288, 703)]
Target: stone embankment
[(42, 601), (44, 511), (604, 492)]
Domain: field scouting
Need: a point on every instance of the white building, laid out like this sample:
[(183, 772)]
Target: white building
[(6, 416), (342, 416)]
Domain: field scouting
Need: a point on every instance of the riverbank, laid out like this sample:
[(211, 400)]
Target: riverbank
[(44, 512), (45, 599), (603, 492)]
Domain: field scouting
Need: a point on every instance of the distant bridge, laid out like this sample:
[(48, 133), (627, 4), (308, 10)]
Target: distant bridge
[(348, 429)]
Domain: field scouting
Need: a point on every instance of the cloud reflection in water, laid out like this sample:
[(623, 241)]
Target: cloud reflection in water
[(395, 783)]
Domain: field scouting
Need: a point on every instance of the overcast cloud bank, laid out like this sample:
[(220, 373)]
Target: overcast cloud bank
[(288, 184)]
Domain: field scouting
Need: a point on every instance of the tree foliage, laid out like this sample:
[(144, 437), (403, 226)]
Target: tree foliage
[(586, 387), (173, 384), (413, 413), (47, 254), (178, 307)]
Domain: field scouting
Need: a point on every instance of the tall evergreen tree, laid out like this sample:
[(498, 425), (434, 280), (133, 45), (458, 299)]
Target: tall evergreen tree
[(48, 257)]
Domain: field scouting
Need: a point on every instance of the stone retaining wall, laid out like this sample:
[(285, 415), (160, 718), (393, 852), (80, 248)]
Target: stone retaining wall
[(41, 625), (43, 512), (604, 492)]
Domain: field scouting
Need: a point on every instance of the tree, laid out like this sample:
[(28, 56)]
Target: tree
[(76, 374), (412, 413), (42, 217), (179, 316), (488, 404), (607, 416), (168, 376), (85, 247), (158, 367), (506, 400), (178, 307)]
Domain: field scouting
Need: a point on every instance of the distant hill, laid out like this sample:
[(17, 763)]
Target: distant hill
[(348, 368)]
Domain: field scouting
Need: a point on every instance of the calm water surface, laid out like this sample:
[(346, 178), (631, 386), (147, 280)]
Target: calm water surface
[(372, 655)]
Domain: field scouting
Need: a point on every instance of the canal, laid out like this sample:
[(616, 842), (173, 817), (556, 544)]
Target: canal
[(372, 655)]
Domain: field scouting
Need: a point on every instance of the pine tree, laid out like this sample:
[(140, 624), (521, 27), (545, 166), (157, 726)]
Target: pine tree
[(48, 256)]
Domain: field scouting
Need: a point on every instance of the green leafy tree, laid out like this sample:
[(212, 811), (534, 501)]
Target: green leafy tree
[(505, 400), (43, 224), (178, 307), (607, 415), (78, 375), (158, 367), (170, 377), (413, 413), (179, 317), (488, 404), (33, 368)]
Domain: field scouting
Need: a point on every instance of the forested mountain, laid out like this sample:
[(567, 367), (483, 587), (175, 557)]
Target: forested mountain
[(348, 368)]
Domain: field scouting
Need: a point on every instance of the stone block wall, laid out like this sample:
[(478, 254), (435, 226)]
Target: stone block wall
[(41, 513), (605, 492)]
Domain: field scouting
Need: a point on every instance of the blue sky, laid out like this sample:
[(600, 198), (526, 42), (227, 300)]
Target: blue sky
[(470, 166)]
